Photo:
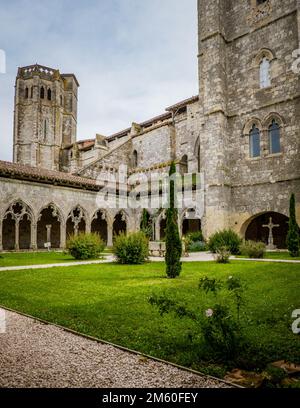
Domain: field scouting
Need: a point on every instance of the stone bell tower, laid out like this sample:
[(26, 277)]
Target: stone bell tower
[(45, 116)]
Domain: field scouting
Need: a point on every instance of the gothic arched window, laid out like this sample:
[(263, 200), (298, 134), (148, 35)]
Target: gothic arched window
[(42, 92), (254, 142), (135, 159), (264, 73), (49, 94), (31, 92), (274, 138), (26, 93)]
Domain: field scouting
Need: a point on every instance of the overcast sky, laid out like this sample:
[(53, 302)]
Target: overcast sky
[(132, 58)]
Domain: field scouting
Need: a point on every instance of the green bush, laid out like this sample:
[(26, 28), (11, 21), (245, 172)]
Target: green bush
[(85, 246), (195, 236), (225, 239), (253, 249), (131, 249), (197, 246)]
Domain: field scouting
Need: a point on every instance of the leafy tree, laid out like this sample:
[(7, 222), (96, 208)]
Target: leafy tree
[(173, 240), (293, 242)]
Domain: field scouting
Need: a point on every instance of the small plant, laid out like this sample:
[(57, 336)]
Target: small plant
[(220, 328), (253, 249), (222, 255), (293, 240), (131, 249), (85, 246), (226, 238)]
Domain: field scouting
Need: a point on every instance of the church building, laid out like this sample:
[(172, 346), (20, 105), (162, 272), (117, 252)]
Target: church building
[(241, 131)]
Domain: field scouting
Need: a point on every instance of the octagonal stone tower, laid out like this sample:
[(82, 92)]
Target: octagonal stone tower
[(45, 116)]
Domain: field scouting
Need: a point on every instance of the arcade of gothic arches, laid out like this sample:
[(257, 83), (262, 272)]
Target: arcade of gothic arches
[(22, 229)]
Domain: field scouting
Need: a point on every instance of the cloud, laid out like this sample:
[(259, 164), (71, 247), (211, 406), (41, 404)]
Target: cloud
[(132, 58)]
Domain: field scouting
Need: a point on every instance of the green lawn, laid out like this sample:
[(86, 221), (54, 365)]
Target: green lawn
[(277, 255), (110, 302), (33, 258)]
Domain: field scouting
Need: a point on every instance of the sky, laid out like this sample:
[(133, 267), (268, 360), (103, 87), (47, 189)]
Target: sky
[(132, 58)]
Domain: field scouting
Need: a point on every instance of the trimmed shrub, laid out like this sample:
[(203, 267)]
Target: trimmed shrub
[(293, 239), (253, 249), (225, 239), (85, 246), (131, 249)]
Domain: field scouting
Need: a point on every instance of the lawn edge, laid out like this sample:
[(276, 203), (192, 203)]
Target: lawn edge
[(101, 341)]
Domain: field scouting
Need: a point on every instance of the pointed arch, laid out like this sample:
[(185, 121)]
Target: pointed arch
[(42, 93), (99, 224), (120, 223), (76, 220), (49, 223), (16, 226)]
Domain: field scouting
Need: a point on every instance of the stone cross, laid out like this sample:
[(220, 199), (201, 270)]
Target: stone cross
[(271, 238)]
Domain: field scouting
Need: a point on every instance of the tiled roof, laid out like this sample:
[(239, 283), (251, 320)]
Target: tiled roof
[(183, 103), (23, 172)]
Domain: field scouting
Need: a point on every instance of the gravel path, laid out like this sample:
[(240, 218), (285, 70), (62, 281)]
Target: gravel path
[(33, 354)]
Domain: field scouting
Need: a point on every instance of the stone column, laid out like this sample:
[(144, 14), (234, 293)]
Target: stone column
[(33, 236), (88, 227), (180, 226), (109, 234), (157, 230), (63, 233), (48, 228), (17, 235)]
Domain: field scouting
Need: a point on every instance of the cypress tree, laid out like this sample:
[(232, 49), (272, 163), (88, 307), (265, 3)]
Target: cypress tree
[(146, 226), (293, 242), (173, 241)]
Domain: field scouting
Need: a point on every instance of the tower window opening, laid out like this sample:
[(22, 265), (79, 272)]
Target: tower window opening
[(42, 92), (265, 80), (135, 159), (31, 92), (49, 94), (254, 142), (274, 138), (45, 132), (26, 93)]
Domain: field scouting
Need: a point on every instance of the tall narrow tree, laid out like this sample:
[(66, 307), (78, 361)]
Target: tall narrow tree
[(293, 241), (173, 241)]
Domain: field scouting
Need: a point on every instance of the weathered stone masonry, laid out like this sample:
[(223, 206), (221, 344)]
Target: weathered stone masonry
[(210, 132)]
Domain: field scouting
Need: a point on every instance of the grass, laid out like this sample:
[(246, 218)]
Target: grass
[(277, 255), (34, 258), (110, 301)]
